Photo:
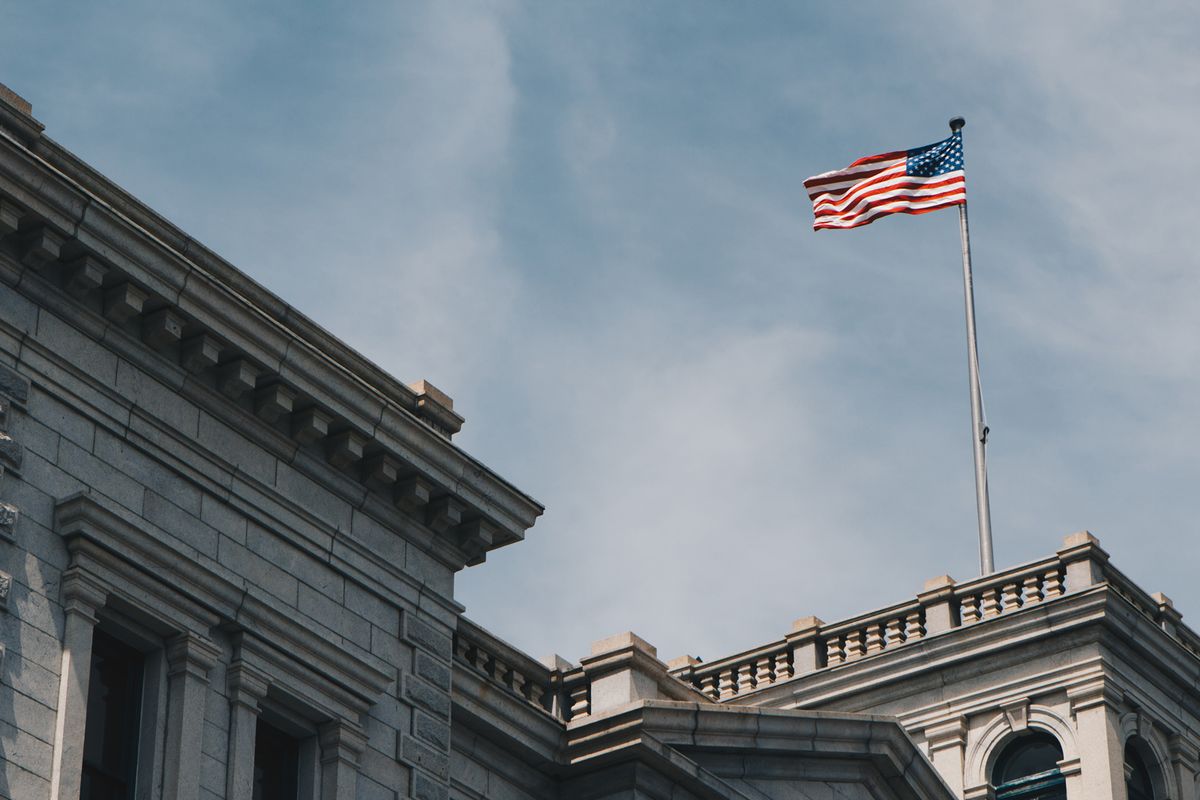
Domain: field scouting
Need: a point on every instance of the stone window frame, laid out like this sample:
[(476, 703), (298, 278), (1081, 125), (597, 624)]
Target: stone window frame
[(152, 724), (114, 555), (1150, 741), (101, 589), (984, 747), (262, 680)]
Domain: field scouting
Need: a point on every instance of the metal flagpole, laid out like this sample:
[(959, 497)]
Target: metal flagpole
[(978, 428)]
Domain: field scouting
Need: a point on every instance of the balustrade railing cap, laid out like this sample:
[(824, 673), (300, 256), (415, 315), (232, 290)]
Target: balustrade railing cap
[(683, 661), (1082, 546), (1079, 538), (557, 662), (1162, 599), (621, 641), (940, 582), (807, 624)]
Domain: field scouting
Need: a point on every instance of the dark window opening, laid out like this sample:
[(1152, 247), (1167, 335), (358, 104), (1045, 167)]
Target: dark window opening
[(114, 705), (1028, 769), (1137, 775), (276, 764)]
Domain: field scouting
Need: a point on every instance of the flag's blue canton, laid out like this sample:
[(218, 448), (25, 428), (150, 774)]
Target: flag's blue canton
[(936, 159)]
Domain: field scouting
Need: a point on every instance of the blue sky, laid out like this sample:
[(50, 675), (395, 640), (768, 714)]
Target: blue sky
[(585, 222)]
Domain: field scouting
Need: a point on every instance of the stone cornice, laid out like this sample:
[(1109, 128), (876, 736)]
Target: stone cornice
[(123, 265), (691, 727)]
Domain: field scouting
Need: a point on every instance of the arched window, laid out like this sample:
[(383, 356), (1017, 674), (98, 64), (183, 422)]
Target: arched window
[(1138, 784), (1027, 769)]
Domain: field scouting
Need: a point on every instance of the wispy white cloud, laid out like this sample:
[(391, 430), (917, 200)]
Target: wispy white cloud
[(585, 222)]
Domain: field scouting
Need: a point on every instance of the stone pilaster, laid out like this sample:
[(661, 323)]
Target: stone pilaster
[(1098, 733), (82, 597), (14, 389), (189, 658), (247, 687), (1185, 763), (341, 745), (947, 750)]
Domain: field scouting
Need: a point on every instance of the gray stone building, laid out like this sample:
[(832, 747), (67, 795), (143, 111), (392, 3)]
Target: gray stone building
[(228, 546)]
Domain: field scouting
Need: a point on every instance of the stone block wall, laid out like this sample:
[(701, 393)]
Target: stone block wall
[(214, 493)]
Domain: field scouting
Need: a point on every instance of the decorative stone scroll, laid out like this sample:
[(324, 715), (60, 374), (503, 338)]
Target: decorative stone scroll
[(14, 390)]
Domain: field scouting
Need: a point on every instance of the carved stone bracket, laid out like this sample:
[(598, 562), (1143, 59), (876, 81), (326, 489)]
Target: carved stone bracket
[(5, 589), (14, 389)]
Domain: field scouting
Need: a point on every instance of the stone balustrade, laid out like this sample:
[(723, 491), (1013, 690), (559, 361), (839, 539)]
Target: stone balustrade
[(814, 646), (944, 605), (503, 665), (1009, 591)]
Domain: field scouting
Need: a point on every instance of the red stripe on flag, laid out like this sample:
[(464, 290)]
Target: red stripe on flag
[(880, 157), (825, 207), (884, 200), (867, 219)]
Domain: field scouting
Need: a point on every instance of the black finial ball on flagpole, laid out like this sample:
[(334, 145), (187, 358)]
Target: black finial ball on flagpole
[(957, 123)]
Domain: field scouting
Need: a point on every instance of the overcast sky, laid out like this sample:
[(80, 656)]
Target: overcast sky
[(586, 223)]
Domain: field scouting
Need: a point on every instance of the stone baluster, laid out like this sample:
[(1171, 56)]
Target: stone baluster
[(520, 684), (580, 701), (874, 637), (462, 649), (1010, 598), (913, 629), (764, 677), (895, 632), (708, 685), (1052, 584), (854, 645), (745, 682), (726, 685), (970, 609), (834, 654), (1032, 590), (480, 659), (991, 603), (783, 667)]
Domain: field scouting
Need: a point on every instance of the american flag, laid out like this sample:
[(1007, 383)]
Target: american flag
[(904, 182)]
